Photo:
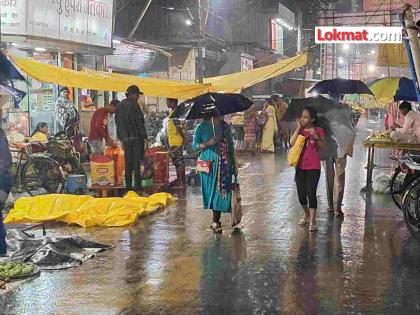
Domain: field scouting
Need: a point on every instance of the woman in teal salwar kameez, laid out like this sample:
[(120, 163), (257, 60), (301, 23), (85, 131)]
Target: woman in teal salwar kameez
[(213, 137)]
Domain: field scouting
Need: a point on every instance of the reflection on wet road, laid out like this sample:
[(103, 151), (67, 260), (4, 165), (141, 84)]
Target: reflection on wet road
[(170, 263)]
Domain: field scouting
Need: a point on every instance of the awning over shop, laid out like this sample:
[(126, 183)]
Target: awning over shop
[(392, 55), (235, 82), (105, 81)]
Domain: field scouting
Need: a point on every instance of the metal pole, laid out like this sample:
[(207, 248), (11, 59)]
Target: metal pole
[(299, 30), (201, 66), (139, 19), (406, 43)]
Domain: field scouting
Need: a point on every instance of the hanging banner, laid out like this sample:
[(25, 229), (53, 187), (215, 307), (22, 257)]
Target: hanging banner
[(17, 95)]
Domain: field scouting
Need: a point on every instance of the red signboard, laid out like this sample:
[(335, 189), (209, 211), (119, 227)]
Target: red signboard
[(386, 5), (273, 35)]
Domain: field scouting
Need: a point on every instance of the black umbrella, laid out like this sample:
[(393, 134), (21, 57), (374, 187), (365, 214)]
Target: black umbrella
[(210, 105), (340, 86), (320, 103)]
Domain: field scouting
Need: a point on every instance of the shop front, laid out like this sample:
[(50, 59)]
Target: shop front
[(73, 35)]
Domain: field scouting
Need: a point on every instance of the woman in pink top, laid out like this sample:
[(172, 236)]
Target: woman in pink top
[(308, 170)]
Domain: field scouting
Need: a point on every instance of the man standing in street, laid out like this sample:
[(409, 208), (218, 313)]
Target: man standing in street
[(131, 130), (98, 131), (175, 134)]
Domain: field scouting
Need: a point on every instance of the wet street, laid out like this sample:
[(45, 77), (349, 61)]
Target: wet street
[(170, 262)]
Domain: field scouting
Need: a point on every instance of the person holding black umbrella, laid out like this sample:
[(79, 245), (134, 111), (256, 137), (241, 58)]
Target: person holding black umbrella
[(131, 130), (216, 163)]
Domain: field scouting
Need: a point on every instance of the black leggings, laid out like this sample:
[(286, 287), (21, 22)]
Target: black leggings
[(307, 183)]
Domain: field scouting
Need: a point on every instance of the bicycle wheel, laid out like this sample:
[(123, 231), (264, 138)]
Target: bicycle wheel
[(395, 187), (411, 208), (42, 175), (399, 183)]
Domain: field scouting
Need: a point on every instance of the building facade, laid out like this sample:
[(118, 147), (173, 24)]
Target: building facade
[(71, 34)]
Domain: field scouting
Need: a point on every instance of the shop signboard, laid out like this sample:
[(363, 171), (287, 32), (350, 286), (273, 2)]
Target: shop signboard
[(374, 5), (82, 21), (131, 58), (247, 62), (13, 17)]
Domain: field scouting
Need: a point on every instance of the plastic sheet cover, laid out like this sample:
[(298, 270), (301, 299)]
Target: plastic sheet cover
[(50, 253)]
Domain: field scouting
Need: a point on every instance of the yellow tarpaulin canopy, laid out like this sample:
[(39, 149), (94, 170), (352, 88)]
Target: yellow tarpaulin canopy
[(392, 55), (235, 82), (105, 81), (86, 211)]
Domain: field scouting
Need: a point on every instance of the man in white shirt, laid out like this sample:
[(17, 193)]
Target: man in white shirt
[(410, 131)]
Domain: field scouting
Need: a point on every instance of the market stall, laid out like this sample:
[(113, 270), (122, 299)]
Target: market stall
[(376, 142)]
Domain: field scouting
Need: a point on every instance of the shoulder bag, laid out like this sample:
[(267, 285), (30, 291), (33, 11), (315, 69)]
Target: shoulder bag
[(296, 151), (236, 213)]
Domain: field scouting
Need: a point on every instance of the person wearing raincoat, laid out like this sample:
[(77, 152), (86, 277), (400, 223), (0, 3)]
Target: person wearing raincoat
[(213, 137), (5, 184), (65, 109)]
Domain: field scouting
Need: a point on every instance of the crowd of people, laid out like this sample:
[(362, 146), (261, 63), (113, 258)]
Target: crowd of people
[(213, 139), (265, 127)]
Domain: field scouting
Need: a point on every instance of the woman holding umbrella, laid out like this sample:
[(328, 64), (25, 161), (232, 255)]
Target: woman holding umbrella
[(213, 137)]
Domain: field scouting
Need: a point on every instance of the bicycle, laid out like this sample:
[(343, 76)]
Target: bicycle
[(35, 172), (403, 177)]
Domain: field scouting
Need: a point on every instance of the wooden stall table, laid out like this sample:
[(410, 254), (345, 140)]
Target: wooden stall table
[(104, 191), (119, 191), (371, 145)]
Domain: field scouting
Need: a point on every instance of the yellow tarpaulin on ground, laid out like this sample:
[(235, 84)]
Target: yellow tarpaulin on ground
[(86, 211), (104, 81), (235, 82), (392, 55)]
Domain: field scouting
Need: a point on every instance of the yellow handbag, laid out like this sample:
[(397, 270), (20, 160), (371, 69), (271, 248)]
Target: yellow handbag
[(296, 151)]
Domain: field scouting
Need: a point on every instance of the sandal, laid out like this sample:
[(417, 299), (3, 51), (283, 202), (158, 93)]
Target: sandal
[(303, 222), (313, 227), (216, 227)]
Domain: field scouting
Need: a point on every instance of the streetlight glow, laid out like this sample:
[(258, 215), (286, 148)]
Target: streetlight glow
[(188, 22)]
